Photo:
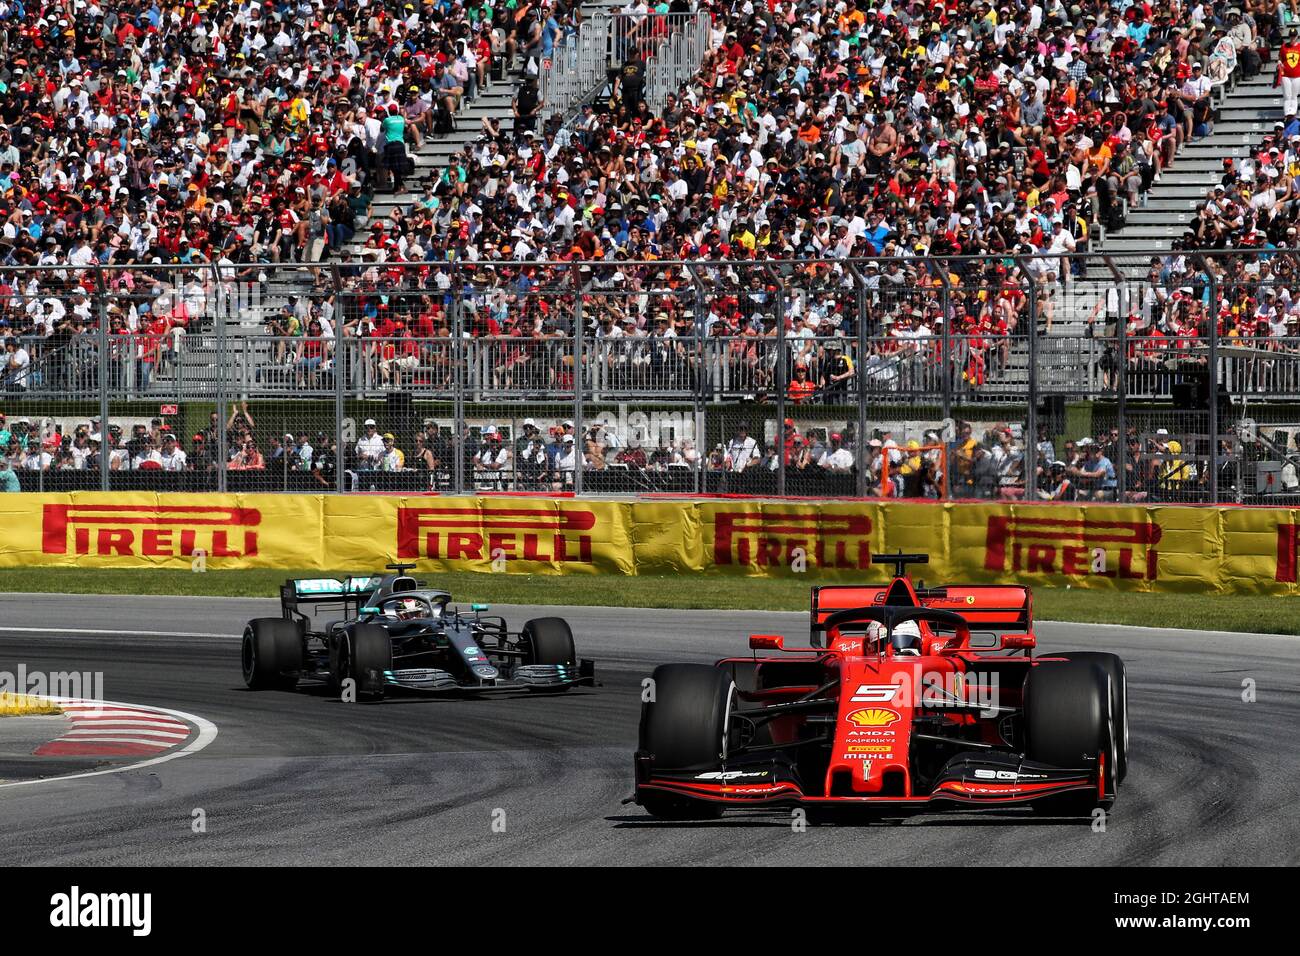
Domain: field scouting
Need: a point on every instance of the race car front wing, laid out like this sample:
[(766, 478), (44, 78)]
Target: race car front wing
[(534, 677), (973, 779)]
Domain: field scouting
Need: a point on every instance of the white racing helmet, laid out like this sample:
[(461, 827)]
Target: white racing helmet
[(906, 638), (408, 609)]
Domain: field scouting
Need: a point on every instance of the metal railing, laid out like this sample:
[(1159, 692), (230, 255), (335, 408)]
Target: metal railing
[(484, 372), (671, 46)]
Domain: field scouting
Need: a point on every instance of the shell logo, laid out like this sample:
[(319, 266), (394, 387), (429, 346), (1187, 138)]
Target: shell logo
[(873, 717)]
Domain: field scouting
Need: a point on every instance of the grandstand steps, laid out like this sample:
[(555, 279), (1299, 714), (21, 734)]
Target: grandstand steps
[(1246, 115), (201, 359)]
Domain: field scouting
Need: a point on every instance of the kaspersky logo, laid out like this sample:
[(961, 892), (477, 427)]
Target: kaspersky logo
[(150, 531), (776, 539), (1112, 549), (485, 534), (873, 717)]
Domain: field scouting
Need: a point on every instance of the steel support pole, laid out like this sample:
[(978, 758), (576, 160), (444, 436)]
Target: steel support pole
[(703, 370), (860, 399), (1121, 379), (946, 372), (340, 379), (1121, 404), (782, 354), (1029, 464), (225, 366), (1214, 423), (458, 379), (579, 379), (102, 290)]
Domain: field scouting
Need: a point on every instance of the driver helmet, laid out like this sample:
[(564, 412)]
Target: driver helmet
[(875, 636), (906, 638), (408, 609)]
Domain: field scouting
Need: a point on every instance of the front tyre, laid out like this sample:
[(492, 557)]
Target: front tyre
[(1069, 724), (1113, 665), (686, 723)]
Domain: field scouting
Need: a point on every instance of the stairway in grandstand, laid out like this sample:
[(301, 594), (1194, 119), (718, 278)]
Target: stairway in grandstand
[(1248, 111), (198, 371)]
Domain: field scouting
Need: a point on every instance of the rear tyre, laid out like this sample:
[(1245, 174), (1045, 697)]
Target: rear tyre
[(1114, 668), (1068, 723), (686, 724), (370, 658), (271, 654)]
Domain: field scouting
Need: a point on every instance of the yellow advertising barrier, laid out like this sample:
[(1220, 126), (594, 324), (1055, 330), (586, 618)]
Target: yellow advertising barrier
[(1147, 548)]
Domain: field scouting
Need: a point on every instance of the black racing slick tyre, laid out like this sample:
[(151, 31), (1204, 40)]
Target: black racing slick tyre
[(1069, 724), (370, 658), (686, 723), (271, 654), (548, 640), (1114, 668)]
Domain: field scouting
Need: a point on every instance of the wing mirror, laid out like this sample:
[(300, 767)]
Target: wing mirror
[(1019, 641), (766, 642), (478, 607)]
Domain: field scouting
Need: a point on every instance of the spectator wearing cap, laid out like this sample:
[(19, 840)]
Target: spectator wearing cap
[(394, 459), (802, 388), (837, 459), (172, 456), (370, 447), (247, 457), (300, 458), (742, 451), (492, 460), (1056, 484)]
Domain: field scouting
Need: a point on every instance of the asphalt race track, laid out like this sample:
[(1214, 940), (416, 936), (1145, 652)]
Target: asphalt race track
[(301, 778)]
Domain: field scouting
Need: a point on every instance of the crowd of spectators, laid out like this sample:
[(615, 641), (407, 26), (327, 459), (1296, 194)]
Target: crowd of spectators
[(253, 133), (907, 460)]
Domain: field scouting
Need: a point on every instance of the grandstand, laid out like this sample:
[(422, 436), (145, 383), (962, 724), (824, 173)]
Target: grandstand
[(712, 210)]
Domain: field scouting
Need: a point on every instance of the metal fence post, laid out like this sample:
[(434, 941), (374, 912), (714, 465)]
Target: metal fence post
[(703, 370), (226, 365), (1121, 403), (1121, 381), (579, 443), (780, 381), (1029, 463), (946, 370), (458, 379), (860, 333), (340, 378), (1214, 423), (104, 455)]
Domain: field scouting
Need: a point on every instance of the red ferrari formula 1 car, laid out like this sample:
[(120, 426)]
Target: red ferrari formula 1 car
[(908, 698)]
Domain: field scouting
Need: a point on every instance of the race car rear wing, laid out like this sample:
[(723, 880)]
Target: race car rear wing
[(345, 592), (993, 607)]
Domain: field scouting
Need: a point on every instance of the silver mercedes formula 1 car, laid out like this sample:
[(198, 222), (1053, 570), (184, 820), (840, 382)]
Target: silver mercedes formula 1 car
[(377, 634)]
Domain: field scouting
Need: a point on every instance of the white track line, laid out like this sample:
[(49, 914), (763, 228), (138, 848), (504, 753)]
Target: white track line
[(108, 630), (207, 732)]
